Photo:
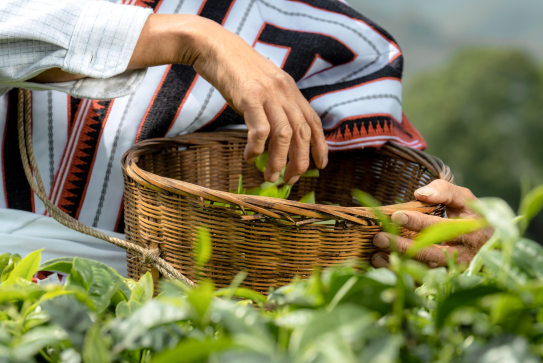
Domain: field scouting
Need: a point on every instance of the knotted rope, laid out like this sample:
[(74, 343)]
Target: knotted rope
[(24, 123)]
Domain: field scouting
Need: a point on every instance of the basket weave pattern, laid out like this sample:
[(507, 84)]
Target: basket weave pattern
[(174, 186)]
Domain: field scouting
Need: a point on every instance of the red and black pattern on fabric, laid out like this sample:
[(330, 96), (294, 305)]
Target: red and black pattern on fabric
[(16, 187), (344, 9), (73, 105), (365, 126), (84, 151), (356, 130), (304, 48), (177, 83)]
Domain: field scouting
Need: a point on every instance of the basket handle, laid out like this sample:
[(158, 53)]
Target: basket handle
[(24, 122)]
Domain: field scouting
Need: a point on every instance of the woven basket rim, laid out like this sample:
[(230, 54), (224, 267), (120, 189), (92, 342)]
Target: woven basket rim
[(267, 206)]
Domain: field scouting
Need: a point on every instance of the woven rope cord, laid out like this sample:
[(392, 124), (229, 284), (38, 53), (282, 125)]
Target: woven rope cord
[(24, 123)]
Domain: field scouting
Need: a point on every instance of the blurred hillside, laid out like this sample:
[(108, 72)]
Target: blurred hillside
[(429, 31)]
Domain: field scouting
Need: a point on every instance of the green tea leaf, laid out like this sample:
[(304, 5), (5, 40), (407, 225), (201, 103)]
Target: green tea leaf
[(261, 161), (313, 173), (4, 261), (530, 206), (95, 349), (243, 293), (528, 255), (499, 216), (143, 291), (35, 340), (463, 298), (309, 198), (443, 232), (366, 200), (202, 246), (194, 350), (93, 279), (26, 268), (62, 264)]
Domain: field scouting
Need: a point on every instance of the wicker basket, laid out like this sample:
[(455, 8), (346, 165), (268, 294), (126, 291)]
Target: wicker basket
[(175, 185)]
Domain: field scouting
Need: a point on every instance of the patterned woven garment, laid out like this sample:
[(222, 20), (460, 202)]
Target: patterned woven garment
[(345, 65)]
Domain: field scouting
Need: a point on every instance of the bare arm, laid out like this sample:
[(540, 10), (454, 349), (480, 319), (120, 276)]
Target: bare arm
[(267, 97)]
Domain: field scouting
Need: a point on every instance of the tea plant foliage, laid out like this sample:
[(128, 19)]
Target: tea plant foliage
[(489, 311)]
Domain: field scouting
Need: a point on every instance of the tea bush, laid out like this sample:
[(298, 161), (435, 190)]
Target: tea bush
[(489, 311)]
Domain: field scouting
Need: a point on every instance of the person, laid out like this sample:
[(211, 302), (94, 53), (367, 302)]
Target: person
[(307, 76)]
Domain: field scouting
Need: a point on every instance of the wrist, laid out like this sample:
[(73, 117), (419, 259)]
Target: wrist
[(171, 39)]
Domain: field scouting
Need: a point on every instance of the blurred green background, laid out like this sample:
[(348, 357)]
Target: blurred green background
[(473, 86)]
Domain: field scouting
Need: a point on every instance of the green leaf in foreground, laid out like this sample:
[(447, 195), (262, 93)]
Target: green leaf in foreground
[(243, 293), (443, 232), (193, 351), (366, 200), (143, 291), (94, 347), (62, 264), (530, 206), (202, 248), (26, 268), (463, 298)]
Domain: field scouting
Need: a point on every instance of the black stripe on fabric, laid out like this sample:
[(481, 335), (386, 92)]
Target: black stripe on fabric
[(216, 10), (73, 104), (338, 7), (304, 47), (17, 188), (392, 70), (168, 99), (176, 84), (227, 117)]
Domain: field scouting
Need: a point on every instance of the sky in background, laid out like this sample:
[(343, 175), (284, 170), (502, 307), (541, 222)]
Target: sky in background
[(429, 31)]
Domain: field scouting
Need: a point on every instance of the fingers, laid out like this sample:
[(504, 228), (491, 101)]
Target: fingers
[(440, 191), (433, 256), (379, 260), (259, 129), (416, 221), (319, 147), (280, 138), (301, 137)]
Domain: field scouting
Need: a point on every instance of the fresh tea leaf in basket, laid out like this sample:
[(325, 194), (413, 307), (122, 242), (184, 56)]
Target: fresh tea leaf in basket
[(261, 161)]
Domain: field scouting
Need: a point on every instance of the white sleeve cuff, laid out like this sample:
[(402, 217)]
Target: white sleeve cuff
[(104, 39), (99, 89)]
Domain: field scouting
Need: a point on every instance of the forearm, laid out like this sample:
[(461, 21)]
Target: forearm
[(165, 39)]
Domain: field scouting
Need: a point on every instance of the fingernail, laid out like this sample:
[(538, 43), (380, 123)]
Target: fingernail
[(379, 261), (252, 160), (324, 161), (381, 241), (274, 177), (400, 219), (426, 191), (293, 179)]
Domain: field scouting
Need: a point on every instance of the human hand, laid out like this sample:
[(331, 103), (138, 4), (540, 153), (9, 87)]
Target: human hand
[(455, 199), (267, 97)]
